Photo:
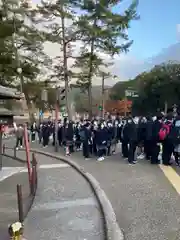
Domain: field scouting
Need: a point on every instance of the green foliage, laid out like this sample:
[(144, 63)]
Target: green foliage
[(82, 106), (156, 88), (23, 32), (102, 31), (21, 44), (82, 63), (118, 90)]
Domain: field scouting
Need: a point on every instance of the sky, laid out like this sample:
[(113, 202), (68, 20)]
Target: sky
[(157, 27), (156, 30)]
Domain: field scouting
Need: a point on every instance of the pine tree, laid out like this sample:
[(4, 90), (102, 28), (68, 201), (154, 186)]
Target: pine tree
[(82, 64), (7, 59), (59, 16), (103, 31), (21, 48)]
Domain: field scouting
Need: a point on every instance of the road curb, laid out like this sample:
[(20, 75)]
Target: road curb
[(112, 230)]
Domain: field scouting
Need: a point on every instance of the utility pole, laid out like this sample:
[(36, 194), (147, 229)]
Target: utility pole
[(60, 96), (102, 95), (56, 120)]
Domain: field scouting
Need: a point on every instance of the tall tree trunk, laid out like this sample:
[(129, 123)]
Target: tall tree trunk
[(66, 78), (102, 93), (30, 107), (90, 78)]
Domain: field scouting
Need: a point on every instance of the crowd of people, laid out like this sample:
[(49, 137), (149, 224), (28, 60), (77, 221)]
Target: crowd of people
[(156, 139)]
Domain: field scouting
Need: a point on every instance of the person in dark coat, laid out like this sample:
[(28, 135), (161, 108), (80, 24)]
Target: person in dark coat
[(86, 138), (60, 133), (124, 138), (69, 137), (157, 124), (141, 134), (110, 135), (101, 140), (45, 134), (168, 142), (94, 137), (77, 136), (132, 135), (148, 138)]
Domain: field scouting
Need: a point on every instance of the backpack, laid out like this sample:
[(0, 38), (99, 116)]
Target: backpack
[(82, 135), (164, 132)]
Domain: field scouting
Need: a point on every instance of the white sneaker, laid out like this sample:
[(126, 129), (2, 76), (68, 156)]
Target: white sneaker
[(141, 156), (21, 146), (100, 159), (17, 148)]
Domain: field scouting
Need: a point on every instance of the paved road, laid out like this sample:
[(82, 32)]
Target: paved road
[(65, 206), (8, 200), (145, 202)]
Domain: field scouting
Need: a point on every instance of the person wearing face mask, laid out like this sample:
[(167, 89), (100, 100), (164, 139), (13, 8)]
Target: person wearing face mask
[(109, 137), (141, 132), (45, 134), (156, 126), (101, 141), (115, 136), (124, 139), (86, 138), (148, 138), (94, 137), (69, 137), (60, 133), (132, 135), (168, 142), (77, 136)]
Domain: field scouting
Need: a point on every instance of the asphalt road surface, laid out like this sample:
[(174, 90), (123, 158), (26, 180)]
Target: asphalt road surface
[(144, 197)]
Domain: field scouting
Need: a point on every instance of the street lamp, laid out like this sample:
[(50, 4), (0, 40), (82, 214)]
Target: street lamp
[(19, 70)]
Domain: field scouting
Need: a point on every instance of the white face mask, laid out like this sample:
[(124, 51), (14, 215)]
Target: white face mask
[(136, 120), (129, 121), (102, 126), (144, 120), (154, 118)]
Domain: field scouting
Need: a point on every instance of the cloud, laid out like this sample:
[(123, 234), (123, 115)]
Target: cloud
[(178, 31)]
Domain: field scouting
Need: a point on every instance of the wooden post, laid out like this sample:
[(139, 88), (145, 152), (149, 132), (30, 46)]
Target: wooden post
[(33, 181), (34, 162), (15, 152), (20, 203), (4, 149)]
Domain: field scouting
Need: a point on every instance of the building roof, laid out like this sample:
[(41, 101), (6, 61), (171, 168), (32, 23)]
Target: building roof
[(5, 112), (9, 93)]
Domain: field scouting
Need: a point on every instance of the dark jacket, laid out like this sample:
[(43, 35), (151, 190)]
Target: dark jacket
[(102, 136), (157, 125), (149, 129), (132, 132)]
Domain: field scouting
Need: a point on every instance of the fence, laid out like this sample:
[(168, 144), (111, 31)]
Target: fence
[(24, 199)]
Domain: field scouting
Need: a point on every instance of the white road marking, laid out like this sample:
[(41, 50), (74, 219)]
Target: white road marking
[(8, 210), (65, 204), (9, 171), (49, 166)]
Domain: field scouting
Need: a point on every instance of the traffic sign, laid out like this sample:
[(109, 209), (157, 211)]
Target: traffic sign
[(131, 93), (40, 113), (100, 108)]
